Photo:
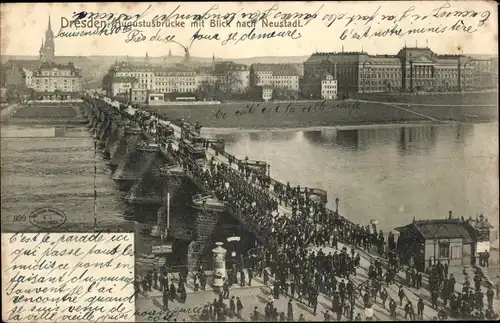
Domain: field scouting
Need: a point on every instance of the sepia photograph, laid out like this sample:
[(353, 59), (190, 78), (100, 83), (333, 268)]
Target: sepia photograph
[(261, 161)]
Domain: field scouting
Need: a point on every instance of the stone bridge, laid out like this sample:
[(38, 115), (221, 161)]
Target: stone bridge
[(150, 175)]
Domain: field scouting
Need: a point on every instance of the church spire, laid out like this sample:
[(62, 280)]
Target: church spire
[(48, 46), (187, 57)]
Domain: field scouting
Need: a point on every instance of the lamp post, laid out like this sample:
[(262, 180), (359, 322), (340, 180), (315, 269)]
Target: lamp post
[(95, 188), (268, 170), (337, 205), (435, 243)]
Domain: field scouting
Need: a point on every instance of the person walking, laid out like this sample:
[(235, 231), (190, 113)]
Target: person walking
[(203, 280), (239, 306), (383, 296), (420, 308), (225, 288), (232, 307), (290, 310), (392, 308), (242, 277), (250, 277), (165, 299), (255, 315), (401, 295)]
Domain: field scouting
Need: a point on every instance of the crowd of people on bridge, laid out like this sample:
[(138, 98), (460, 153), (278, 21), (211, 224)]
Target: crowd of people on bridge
[(294, 227)]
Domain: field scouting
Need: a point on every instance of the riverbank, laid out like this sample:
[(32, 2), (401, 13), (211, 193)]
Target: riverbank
[(301, 114)]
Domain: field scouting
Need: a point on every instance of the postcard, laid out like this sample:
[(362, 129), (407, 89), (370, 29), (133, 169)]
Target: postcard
[(249, 161)]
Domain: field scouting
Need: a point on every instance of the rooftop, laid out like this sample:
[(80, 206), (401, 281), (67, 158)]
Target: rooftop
[(439, 229), (276, 69)]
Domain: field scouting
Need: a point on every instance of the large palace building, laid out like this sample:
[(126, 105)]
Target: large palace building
[(411, 69)]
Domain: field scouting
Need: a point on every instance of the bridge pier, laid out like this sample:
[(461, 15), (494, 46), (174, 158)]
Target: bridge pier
[(208, 210), (93, 116), (125, 146), (154, 184), (103, 130), (115, 140), (113, 134), (135, 164)]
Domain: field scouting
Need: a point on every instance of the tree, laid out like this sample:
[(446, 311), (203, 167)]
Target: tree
[(206, 90), (228, 81), (280, 93)]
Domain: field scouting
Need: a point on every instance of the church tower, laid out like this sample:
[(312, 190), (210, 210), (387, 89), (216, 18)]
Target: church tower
[(47, 52), (169, 52), (41, 51), (187, 57)]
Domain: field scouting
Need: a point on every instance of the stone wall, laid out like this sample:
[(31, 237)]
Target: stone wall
[(200, 249), (127, 144), (147, 189)]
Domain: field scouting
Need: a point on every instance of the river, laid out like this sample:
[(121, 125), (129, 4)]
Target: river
[(389, 173), (46, 166)]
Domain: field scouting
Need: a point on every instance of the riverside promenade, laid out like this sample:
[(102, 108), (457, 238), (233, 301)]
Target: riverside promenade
[(151, 301)]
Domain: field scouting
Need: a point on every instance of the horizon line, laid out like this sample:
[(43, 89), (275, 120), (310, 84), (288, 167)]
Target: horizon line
[(218, 57)]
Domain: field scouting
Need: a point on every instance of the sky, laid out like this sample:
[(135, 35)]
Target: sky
[(23, 26)]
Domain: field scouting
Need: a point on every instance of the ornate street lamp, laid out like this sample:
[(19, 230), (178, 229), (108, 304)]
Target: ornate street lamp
[(337, 205)]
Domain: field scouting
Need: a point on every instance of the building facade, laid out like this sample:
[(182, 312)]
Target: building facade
[(121, 85), (266, 92), (431, 241), (51, 77), (410, 70), (142, 79), (275, 75), (329, 88), (485, 71)]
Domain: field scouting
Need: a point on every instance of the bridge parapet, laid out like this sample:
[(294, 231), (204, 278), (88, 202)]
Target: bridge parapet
[(133, 129), (208, 202), (145, 145), (172, 170), (320, 194)]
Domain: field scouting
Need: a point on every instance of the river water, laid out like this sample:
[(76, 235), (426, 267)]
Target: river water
[(46, 166), (389, 173)]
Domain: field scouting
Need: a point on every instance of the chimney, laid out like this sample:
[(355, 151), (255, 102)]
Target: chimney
[(449, 215)]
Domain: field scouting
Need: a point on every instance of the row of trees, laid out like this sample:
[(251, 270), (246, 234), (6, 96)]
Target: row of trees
[(224, 88), (17, 93)]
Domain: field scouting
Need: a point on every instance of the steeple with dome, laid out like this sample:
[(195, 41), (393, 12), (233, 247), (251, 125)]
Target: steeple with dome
[(47, 50)]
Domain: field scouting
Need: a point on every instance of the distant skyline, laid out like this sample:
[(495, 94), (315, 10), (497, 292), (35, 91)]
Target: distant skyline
[(23, 26)]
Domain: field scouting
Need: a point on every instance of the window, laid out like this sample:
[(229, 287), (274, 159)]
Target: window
[(456, 252), (444, 250)]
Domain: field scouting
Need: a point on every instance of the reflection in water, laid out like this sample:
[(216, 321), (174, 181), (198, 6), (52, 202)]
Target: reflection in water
[(347, 139), (391, 173), (421, 139), (316, 136)]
